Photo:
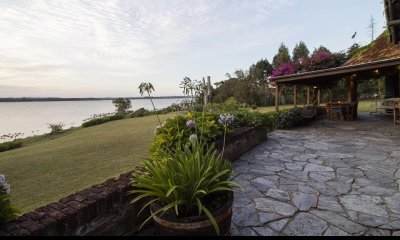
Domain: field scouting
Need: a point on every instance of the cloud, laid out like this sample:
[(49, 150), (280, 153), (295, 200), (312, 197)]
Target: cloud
[(57, 42)]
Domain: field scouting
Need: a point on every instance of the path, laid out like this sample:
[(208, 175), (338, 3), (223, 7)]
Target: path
[(329, 178)]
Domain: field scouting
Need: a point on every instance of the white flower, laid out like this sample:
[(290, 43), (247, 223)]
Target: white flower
[(4, 187), (157, 130), (193, 138)]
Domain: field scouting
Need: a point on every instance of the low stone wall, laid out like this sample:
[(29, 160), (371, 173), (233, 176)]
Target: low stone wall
[(105, 209)]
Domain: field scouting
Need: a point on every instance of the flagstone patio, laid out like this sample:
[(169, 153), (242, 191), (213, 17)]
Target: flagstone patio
[(328, 178)]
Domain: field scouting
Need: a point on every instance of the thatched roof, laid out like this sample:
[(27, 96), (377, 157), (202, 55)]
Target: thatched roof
[(380, 49)]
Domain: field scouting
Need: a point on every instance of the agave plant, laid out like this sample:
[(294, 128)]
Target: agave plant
[(183, 181)]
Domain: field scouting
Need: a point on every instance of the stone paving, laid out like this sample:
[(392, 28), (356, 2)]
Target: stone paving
[(329, 178)]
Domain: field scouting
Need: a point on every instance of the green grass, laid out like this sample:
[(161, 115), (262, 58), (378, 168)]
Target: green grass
[(49, 168), (363, 106)]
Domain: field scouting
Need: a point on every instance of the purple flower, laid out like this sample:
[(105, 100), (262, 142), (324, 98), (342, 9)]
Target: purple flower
[(190, 124), (226, 119)]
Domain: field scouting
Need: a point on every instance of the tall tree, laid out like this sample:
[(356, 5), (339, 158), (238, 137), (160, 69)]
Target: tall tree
[(282, 56), (300, 51)]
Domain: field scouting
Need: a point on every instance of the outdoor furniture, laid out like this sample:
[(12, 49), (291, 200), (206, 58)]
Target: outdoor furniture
[(386, 105), (338, 110), (309, 112)]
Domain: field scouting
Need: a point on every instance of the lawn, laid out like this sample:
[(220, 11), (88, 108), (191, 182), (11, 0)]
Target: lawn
[(47, 169), (363, 106)]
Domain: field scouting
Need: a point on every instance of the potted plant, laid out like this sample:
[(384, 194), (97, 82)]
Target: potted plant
[(189, 187)]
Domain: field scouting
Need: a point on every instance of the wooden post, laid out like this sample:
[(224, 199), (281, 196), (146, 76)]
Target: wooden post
[(295, 96), (319, 96), (277, 98), (352, 92), (308, 95)]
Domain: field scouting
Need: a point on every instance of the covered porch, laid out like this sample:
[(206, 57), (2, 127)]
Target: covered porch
[(352, 74)]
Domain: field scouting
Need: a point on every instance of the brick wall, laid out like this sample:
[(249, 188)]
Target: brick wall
[(105, 209)]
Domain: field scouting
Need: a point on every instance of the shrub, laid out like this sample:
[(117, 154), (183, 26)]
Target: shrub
[(7, 212), (100, 120), (175, 131), (6, 146), (141, 112), (288, 119), (56, 127), (11, 141)]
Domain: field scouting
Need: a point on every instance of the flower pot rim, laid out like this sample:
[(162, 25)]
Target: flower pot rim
[(191, 219)]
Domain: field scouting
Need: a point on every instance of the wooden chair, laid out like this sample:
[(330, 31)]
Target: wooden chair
[(396, 113), (328, 110), (337, 110)]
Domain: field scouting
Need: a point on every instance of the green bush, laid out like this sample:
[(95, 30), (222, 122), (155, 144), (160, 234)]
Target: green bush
[(101, 120), (141, 112), (270, 121), (7, 211), (175, 131), (289, 118), (10, 145)]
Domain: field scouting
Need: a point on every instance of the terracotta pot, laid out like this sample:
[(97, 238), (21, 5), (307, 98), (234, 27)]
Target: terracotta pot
[(197, 225)]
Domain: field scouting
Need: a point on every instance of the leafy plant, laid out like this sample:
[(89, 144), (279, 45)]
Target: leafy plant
[(7, 211), (185, 172), (175, 132), (183, 180)]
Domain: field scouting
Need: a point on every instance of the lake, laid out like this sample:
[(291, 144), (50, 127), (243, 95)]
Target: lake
[(32, 118)]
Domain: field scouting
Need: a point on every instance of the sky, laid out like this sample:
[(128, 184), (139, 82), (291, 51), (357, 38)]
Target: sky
[(106, 48)]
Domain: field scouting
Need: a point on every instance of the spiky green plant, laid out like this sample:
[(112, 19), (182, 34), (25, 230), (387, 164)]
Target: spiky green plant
[(183, 180)]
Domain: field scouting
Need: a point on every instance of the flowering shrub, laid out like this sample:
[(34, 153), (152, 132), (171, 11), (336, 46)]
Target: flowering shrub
[(284, 69), (181, 130), (7, 212), (320, 60)]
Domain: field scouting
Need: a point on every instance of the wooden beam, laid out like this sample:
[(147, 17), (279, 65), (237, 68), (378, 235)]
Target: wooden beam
[(294, 96), (277, 98), (308, 95), (319, 96), (394, 22)]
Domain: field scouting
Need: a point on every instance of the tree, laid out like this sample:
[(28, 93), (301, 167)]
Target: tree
[(300, 51), (122, 105), (282, 56)]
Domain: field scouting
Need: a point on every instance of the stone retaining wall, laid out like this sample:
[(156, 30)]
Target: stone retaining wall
[(105, 209)]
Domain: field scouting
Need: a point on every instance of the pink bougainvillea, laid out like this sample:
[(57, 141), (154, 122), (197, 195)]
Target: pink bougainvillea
[(320, 60), (284, 69)]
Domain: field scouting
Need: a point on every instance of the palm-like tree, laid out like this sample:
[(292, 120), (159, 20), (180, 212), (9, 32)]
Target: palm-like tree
[(149, 88)]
